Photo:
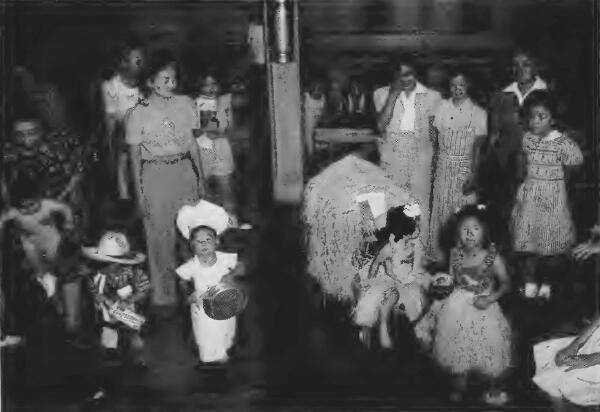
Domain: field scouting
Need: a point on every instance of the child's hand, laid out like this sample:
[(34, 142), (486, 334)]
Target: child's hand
[(233, 220), (228, 278), (482, 302), (192, 299)]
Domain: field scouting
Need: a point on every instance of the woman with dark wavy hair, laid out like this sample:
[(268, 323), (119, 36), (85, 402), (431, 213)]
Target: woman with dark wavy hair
[(166, 167)]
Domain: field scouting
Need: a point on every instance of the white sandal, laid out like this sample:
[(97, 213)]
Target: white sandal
[(499, 399)]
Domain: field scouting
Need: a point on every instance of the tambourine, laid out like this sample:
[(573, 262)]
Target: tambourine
[(224, 301)]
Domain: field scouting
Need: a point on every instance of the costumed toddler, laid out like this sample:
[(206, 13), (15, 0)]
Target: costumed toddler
[(121, 286), (470, 333), (394, 281), (212, 273)]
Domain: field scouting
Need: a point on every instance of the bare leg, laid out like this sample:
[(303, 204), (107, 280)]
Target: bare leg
[(496, 395), (122, 176), (72, 304), (531, 285), (385, 311), (34, 257), (137, 347), (225, 187), (459, 383)]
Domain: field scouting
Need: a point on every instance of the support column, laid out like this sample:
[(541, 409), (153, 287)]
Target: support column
[(285, 107)]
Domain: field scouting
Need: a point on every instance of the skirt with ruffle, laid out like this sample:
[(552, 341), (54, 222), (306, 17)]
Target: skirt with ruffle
[(467, 339)]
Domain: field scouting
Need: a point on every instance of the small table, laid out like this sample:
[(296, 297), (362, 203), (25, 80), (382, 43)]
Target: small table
[(337, 136)]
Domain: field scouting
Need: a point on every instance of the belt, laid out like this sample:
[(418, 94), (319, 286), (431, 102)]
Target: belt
[(169, 160)]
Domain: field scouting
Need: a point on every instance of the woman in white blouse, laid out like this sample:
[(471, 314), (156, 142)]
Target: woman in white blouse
[(405, 111)]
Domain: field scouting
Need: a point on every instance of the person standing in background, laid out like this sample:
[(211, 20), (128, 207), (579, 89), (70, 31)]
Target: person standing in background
[(314, 109), (498, 171), (119, 94), (256, 40), (405, 111), (461, 127)]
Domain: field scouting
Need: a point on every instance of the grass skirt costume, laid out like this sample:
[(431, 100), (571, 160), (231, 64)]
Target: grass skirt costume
[(465, 339), (408, 280), (336, 230), (338, 225)]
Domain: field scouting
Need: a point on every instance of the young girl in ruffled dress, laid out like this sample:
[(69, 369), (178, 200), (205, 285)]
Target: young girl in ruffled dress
[(470, 334), (394, 282), (541, 220)]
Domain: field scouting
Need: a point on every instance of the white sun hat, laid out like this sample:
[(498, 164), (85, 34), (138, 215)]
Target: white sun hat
[(114, 247), (202, 214)]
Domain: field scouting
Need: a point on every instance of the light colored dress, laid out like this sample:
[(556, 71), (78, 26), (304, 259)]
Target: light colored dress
[(216, 156), (457, 128), (408, 279), (541, 219), (579, 386), (169, 179), (213, 337), (466, 339), (406, 151)]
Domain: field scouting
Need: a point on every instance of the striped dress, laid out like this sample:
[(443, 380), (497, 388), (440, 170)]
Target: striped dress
[(541, 219), (457, 127)]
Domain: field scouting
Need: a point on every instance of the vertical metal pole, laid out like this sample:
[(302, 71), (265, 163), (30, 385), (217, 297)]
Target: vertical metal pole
[(596, 139), (282, 31)]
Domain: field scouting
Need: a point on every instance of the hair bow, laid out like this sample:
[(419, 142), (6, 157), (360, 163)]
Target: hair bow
[(412, 210)]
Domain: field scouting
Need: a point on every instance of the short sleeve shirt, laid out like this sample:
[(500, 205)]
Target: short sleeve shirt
[(119, 98), (165, 131), (205, 277)]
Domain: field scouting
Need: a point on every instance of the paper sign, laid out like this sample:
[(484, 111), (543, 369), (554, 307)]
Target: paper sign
[(127, 317), (376, 202)]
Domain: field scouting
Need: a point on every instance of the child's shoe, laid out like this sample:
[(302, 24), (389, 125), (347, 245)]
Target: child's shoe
[(530, 290), (496, 398), (545, 292), (10, 341)]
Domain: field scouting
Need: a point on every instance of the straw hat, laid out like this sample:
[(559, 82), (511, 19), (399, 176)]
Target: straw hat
[(114, 247), (202, 214)]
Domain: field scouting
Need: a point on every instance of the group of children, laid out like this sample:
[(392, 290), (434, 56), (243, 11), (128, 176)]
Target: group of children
[(115, 273), (465, 329)]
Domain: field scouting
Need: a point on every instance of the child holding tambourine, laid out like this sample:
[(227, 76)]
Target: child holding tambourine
[(214, 299)]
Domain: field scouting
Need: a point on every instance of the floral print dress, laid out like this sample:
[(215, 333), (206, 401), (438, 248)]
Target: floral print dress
[(541, 219)]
